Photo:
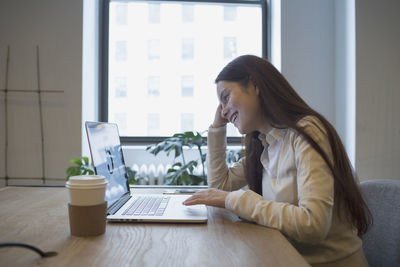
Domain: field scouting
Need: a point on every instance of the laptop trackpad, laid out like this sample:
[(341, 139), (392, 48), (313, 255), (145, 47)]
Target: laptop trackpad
[(195, 210)]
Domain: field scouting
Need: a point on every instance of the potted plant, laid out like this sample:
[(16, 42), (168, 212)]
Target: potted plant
[(183, 172), (81, 167)]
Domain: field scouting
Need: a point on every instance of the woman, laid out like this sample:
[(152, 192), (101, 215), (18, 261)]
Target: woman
[(295, 165)]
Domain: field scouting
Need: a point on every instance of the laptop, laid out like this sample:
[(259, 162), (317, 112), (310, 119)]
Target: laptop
[(122, 204)]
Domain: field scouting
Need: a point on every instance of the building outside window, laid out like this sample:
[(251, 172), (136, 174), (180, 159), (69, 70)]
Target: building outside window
[(154, 49), (171, 53), (230, 47), (153, 86), (154, 13), (187, 86), (229, 13), (187, 13), (187, 48), (121, 14)]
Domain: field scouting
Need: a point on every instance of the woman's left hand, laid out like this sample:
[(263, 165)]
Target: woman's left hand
[(210, 197)]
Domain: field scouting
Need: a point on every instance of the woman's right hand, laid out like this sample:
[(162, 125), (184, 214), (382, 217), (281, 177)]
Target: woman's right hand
[(219, 120)]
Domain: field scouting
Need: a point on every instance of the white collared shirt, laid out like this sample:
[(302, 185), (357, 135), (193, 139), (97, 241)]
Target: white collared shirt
[(297, 191), (272, 188)]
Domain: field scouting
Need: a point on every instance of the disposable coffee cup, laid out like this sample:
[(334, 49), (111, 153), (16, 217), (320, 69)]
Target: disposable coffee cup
[(87, 209), (86, 190)]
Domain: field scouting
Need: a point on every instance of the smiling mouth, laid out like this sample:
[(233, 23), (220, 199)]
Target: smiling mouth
[(233, 117)]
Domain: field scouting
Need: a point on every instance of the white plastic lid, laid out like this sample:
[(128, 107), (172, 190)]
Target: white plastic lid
[(85, 181)]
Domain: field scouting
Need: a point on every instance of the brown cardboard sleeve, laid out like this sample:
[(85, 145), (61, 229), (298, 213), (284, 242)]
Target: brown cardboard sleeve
[(87, 220)]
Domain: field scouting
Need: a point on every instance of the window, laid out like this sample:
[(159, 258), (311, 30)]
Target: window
[(187, 13), (122, 15), (230, 50), (187, 86), (154, 49), (229, 13), (154, 13), (170, 53), (187, 48), (153, 86)]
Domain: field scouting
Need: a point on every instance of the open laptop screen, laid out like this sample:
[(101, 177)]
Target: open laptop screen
[(107, 158)]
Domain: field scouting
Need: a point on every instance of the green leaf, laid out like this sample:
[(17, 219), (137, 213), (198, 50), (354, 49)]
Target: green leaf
[(171, 170), (179, 164), (198, 140), (86, 160), (196, 180), (178, 150), (81, 167), (188, 134), (180, 173), (177, 135), (72, 171), (185, 177), (77, 161)]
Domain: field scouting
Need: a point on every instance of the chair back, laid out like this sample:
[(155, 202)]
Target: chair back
[(381, 243)]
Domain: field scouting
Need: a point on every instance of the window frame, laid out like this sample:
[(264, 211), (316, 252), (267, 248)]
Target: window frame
[(104, 54)]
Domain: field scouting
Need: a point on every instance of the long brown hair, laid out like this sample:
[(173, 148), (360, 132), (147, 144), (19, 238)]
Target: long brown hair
[(283, 108)]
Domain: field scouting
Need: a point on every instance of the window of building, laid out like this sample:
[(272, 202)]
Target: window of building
[(154, 13), (153, 86), (187, 13), (230, 47), (121, 14), (229, 13), (172, 52), (187, 48), (187, 85), (154, 49)]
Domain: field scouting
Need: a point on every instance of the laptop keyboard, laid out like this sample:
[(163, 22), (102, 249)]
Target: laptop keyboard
[(148, 206)]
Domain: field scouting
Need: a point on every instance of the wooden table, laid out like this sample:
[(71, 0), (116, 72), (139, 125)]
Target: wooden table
[(38, 216)]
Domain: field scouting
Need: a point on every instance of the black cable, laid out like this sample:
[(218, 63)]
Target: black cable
[(23, 245)]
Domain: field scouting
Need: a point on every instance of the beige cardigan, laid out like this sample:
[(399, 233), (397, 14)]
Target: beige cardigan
[(300, 198)]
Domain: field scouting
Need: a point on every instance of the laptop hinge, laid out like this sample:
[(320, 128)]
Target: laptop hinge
[(119, 203)]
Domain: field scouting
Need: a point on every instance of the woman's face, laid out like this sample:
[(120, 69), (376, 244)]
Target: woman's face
[(241, 106)]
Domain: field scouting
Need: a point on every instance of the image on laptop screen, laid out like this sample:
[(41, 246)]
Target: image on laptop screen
[(108, 159)]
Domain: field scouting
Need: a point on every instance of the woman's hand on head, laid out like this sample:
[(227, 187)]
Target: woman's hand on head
[(219, 120), (209, 197)]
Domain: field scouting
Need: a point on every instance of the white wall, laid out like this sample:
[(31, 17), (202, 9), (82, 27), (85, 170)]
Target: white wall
[(56, 26), (378, 89), (343, 58), (308, 52)]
